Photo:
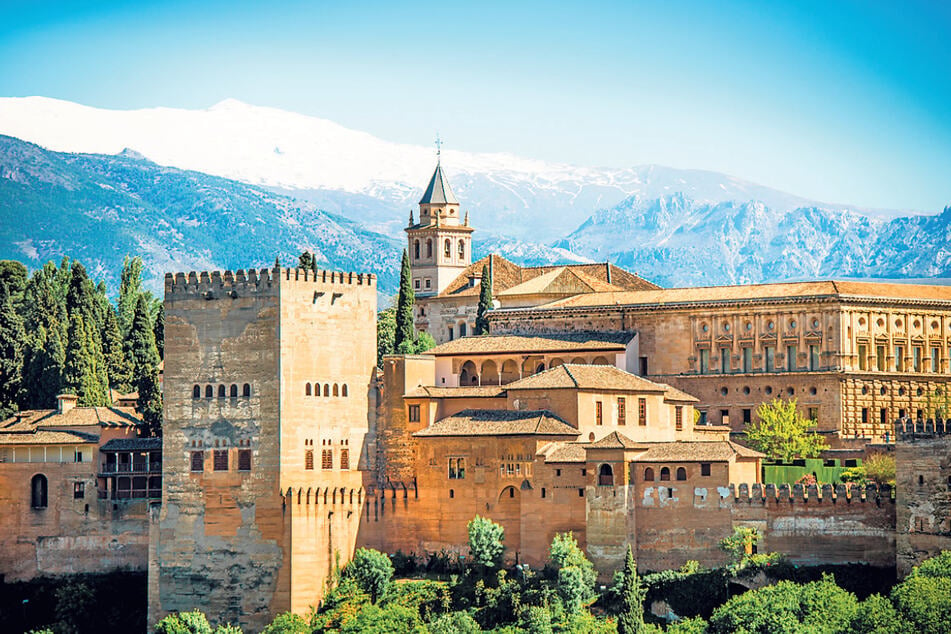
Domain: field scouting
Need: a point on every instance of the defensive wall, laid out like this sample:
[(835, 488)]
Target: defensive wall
[(923, 522)]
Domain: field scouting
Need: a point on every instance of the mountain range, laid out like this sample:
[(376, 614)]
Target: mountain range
[(218, 187)]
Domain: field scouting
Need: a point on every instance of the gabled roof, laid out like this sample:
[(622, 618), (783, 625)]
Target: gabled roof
[(587, 377), (560, 281), (687, 451), (615, 440), (438, 191), (564, 452), (29, 420), (475, 391), (499, 422), (43, 437), (568, 342)]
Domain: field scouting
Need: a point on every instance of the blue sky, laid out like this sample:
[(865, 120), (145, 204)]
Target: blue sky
[(838, 101)]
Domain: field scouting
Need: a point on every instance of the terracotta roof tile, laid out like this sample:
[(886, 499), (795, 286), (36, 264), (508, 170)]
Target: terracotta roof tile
[(491, 344), (689, 451), (587, 377), (615, 440), (564, 452), (492, 422), (477, 391), (47, 438), (132, 444)]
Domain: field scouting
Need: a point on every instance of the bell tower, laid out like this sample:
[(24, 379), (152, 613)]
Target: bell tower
[(440, 244)]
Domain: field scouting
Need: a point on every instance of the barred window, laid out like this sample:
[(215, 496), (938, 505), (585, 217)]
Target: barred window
[(621, 411), (344, 458), (244, 460), (457, 468), (79, 490), (679, 417), (598, 413), (327, 459), (221, 459), (642, 412), (309, 459), (198, 461), (414, 413)]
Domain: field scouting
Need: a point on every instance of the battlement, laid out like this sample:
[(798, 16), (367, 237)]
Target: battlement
[(215, 284), (811, 494)]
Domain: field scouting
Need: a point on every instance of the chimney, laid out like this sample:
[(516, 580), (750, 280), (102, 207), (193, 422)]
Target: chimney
[(66, 402)]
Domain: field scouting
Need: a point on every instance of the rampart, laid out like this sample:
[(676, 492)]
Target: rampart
[(923, 522)]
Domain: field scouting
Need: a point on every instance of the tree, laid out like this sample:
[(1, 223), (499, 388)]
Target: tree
[(372, 570), (876, 615), (305, 261), (576, 575), (880, 469), (193, 622), (145, 362), (485, 303), (74, 608), (82, 374), (113, 349), (43, 362), (924, 603), (405, 337), (385, 334), (130, 287), (739, 545), (391, 619), (11, 357), (424, 342), (288, 623), (631, 618), (13, 277), (782, 433), (158, 330), (485, 542)]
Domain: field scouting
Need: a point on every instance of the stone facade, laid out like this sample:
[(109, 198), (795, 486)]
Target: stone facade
[(923, 525)]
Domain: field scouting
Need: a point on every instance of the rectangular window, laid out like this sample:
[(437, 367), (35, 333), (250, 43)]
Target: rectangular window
[(917, 358), (770, 356), (814, 414), (78, 454), (679, 418), (724, 417), (79, 490), (880, 358), (543, 492), (814, 358), (704, 361), (703, 417), (791, 363), (724, 360), (598, 413), (221, 460), (621, 411), (747, 360), (899, 358), (345, 458), (198, 461), (457, 468), (642, 412), (863, 357), (705, 468), (244, 460), (558, 472), (935, 360), (416, 284), (747, 416), (327, 459), (865, 415), (414, 413), (643, 364), (580, 493), (429, 283), (309, 460)]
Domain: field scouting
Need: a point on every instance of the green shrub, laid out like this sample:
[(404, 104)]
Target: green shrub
[(454, 623), (937, 566), (924, 602), (485, 542), (429, 598), (287, 623), (694, 625), (372, 570), (877, 615), (391, 619), (193, 622)]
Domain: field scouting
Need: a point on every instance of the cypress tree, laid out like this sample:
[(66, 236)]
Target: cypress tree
[(485, 303), (145, 360), (11, 356), (130, 287), (405, 341), (158, 330), (43, 369), (79, 295), (631, 618), (78, 370), (118, 366)]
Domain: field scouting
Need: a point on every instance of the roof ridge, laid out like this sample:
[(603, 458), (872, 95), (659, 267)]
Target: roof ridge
[(570, 375)]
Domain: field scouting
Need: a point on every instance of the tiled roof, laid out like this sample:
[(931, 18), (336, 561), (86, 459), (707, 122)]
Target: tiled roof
[(43, 437), (132, 444), (75, 417), (679, 396), (491, 344), (759, 292), (687, 451), (476, 391), (587, 377), (492, 422), (438, 192), (564, 452), (615, 440), (561, 281)]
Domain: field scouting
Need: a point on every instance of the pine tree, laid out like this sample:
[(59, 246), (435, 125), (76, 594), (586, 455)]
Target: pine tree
[(130, 287), (118, 366), (11, 356), (43, 369), (79, 372), (485, 303), (149, 404), (631, 618), (79, 295), (305, 261), (158, 330), (405, 341), (145, 360)]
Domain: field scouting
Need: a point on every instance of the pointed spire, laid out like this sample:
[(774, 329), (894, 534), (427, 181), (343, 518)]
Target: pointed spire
[(438, 192), (411, 221), (466, 223)]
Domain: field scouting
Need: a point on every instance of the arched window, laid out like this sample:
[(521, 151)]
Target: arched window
[(416, 249), (681, 473), (462, 249), (343, 390), (606, 476), (336, 390), (221, 391), (196, 392), (234, 390), (307, 389), (463, 330), (209, 391), (326, 389), (447, 248), (664, 474), (38, 490), (247, 390), (648, 475)]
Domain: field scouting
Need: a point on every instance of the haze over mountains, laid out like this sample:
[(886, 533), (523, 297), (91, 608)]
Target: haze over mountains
[(674, 226)]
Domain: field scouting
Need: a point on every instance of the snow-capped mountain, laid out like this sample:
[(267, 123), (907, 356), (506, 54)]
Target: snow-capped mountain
[(358, 175)]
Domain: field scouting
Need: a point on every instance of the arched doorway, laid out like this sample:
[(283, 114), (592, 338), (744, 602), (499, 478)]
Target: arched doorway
[(509, 514), (490, 373), (468, 375), (509, 372), (606, 476)]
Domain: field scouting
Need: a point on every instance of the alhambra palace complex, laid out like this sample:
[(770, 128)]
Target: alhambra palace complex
[(600, 404)]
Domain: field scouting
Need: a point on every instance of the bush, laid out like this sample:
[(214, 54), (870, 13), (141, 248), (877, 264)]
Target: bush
[(429, 598), (880, 469), (937, 566), (287, 623), (485, 542), (876, 615), (455, 623), (924, 602), (392, 619), (193, 622), (404, 564), (372, 570), (694, 625)]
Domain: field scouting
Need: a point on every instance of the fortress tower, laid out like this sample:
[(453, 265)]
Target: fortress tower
[(440, 245), (268, 402)]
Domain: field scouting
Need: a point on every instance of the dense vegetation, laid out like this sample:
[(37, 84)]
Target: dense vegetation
[(59, 333), (448, 594), (395, 329)]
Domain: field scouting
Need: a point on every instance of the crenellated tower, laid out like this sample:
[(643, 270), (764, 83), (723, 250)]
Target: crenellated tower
[(440, 244)]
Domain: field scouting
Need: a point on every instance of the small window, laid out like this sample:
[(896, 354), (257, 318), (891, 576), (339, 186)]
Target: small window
[(544, 493), (343, 390), (196, 392), (648, 475), (452, 494), (429, 248), (681, 473), (39, 487), (416, 249), (78, 455), (558, 472), (447, 248), (414, 413), (462, 249), (511, 492), (326, 389), (580, 493), (429, 283), (642, 412), (921, 480), (221, 391), (307, 389), (416, 284), (209, 391), (79, 490), (244, 460), (457, 468), (621, 411), (598, 414), (221, 460), (234, 391), (336, 390), (345, 458), (247, 390), (664, 474), (198, 461), (327, 459), (679, 418), (309, 460), (584, 472), (705, 468)]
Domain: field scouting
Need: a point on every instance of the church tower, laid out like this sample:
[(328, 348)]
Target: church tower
[(440, 244)]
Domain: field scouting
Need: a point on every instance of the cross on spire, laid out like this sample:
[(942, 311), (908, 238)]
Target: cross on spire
[(438, 149)]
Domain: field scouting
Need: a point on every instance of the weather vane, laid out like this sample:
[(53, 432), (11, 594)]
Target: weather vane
[(438, 148)]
